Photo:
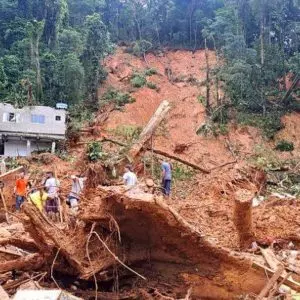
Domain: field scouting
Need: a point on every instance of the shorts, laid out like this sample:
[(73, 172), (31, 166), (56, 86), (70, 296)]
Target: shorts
[(52, 205)]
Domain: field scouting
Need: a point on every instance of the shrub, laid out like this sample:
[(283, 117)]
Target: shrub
[(129, 132), (201, 99), (269, 124), (150, 71), (151, 85), (284, 145), (94, 151), (117, 97), (138, 80), (141, 47)]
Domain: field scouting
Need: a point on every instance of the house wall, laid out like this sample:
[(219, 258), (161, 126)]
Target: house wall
[(13, 148), (24, 124)]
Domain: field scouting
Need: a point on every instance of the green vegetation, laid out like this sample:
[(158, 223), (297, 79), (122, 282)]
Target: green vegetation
[(181, 172), (284, 146), (128, 132), (150, 72), (138, 80), (151, 85), (269, 124), (94, 151), (52, 51), (117, 97)]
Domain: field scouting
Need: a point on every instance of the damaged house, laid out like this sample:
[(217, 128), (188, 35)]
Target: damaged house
[(31, 128)]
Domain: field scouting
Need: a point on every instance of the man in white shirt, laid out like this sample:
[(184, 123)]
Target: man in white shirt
[(77, 187), (129, 177), (52, 186)]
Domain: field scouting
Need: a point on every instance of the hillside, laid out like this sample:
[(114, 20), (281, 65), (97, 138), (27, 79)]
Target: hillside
[(205, 200), (190, 240)]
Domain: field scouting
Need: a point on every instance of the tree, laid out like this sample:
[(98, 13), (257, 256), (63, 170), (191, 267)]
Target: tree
[(97, 46)]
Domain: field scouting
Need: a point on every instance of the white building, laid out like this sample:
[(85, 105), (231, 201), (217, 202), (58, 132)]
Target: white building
[(31, 128)]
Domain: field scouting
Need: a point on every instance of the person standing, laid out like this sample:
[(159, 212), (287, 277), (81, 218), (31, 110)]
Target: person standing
[(129, 177), (51, 186), (77, 187), (166, 178), (20, 190)]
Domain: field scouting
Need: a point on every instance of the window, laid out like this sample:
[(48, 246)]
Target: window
[(38, 119), (11, 117), (57, 118), (1, 148)]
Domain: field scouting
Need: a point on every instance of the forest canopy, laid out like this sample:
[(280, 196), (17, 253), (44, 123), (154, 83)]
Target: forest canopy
[(51, 50)]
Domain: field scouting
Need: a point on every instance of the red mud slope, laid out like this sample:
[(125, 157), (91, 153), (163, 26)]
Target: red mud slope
[(208, 199)]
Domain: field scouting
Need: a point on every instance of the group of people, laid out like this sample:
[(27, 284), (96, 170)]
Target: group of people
[(130, 178), (46, 196)]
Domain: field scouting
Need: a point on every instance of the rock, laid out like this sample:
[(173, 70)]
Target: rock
[(4, 233), (149, 182)]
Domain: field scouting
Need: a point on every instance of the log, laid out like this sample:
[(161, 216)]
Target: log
[(150, 128), (243, 217), (183, 161), (271, 283), (26, 263), (4, 205), (16, 170)]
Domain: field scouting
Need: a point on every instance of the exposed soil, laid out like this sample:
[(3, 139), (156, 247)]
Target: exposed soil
[(167, 249)]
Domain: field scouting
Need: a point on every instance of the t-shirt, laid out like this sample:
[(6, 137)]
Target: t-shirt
[(130, 178), (168, 170), (77, 187), (38, 198), (21, 185), (52, 186)]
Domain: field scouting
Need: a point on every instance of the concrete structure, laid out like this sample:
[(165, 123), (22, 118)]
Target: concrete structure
[(31, 128)]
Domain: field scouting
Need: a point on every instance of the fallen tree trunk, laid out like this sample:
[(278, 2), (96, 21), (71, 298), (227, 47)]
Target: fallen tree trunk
[(153, 231), (176, 158), (73, 248), (16, 170), (26, 263), (150, 128), (20, 242), (243, 217)]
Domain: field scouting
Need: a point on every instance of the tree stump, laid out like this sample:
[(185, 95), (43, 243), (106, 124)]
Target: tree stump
[(243, 217)]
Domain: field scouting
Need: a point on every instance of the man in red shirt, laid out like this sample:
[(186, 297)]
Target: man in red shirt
[(20, 190)]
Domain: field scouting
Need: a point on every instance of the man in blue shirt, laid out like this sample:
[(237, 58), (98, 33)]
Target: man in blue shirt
[(166, 178)]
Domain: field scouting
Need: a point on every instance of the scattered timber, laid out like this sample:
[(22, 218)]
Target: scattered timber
[(270, 284)]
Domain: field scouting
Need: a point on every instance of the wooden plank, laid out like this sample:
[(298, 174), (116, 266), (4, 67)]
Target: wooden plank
[(294, 285), (264, 292), (16, 170)]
